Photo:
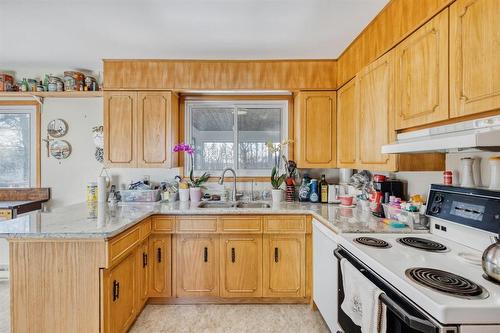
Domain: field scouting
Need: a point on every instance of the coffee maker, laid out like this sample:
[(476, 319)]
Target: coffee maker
[(384, 188)]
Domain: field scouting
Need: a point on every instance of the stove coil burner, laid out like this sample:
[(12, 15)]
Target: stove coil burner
[(446, 283), (373, 242), (423, 244)]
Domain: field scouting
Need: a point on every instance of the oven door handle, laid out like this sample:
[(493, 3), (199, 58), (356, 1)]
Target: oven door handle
[(337, 254), (422, 325)]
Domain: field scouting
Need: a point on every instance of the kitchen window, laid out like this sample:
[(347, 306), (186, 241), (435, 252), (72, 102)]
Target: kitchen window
[(17, 146), (234, 134)]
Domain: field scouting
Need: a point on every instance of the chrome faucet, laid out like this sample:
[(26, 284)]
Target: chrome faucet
[(221, 180)]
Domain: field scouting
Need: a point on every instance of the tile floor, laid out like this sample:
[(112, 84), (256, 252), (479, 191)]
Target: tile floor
[(210, 318), (4, 306)]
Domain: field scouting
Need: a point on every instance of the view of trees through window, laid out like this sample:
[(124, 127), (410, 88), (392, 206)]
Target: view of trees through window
[(15, 149), (234, 134)]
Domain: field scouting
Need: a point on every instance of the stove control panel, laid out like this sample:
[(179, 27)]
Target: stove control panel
[(474, 207)]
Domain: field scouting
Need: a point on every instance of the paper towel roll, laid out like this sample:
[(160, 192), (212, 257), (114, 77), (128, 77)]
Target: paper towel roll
[(102, 189)]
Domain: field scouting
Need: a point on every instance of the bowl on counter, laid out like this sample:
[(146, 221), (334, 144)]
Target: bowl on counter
[(346, 200)]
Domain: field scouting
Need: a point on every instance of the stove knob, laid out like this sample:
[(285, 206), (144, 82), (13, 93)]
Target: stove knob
[(435, 209), (438, 198)]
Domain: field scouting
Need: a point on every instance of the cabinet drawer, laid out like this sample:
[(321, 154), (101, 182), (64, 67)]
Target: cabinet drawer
[(239, 224), (196, 224), (121, 245), (145, 228), (285, 224), (162, 224)]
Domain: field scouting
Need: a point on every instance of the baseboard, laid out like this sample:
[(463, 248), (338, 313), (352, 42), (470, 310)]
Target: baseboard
[(226, 300)]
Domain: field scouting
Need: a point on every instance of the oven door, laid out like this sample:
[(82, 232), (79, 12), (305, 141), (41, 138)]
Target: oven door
[(402, 316)]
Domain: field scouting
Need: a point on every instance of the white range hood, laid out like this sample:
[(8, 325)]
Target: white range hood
[(480, 134)]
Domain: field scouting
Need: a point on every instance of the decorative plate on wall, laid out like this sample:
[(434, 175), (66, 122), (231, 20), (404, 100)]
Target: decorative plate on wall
[(57, 128), (60, 149)]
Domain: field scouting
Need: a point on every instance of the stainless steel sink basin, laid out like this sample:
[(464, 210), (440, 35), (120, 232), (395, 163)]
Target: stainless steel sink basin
[(253, 205), (231, 204), (215, 204)]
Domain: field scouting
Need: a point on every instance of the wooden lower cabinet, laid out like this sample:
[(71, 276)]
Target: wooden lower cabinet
[(143, 273), (197, 262), (241, 265), (284, 265), (120, 283), (160, 262)]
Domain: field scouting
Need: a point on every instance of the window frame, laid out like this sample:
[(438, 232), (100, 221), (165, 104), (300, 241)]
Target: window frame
[(284, 104), (33, 108)]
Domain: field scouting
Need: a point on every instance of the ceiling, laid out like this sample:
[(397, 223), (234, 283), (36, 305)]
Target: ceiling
[(77, 34)]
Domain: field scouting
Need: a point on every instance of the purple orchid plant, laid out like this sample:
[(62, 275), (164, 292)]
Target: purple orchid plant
[(187, 148)]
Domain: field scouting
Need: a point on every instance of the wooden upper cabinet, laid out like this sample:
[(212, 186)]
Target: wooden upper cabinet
[(197, 258), (374, 88), (347, 135), (157, 128), (284, 265), (421, 75), (140, 128), (120, 129), (474, 57), (316, 123), (160, 262), (241, 265)]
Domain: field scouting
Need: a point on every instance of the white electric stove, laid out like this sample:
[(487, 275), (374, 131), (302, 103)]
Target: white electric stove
[(437, 277)]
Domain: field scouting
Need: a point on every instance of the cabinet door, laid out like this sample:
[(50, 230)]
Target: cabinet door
[(241, 266), (421, 75), (284, 265), (474, 57), (143, 270), (160, 252), (155, 124), (197, 265), (121, 293), (316, 123), (375, 114), (120, 129), (347, 134)]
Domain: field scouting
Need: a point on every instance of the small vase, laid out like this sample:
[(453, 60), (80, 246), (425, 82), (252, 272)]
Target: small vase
[(195, 193), (277, 195), (183, 194)]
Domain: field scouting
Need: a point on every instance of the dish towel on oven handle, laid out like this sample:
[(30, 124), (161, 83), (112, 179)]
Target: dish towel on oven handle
[(362, 300)]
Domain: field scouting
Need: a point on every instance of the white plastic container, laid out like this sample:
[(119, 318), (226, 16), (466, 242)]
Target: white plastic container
[(495, 173), (140, 195)]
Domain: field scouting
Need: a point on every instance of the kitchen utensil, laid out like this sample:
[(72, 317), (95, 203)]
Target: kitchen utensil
[(491, 260)]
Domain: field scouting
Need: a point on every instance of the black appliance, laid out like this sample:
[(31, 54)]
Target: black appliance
[(386, 189)]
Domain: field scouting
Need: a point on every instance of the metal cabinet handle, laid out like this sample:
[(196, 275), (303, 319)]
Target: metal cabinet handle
[(205, 254), (233, 255), (158, 254), (144, 259), (276, 255), (116, 290)]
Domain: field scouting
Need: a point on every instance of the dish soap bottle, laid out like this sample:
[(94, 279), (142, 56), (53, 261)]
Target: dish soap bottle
[(304, 189), (314, 196)]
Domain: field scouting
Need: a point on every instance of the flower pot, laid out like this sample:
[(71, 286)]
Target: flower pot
[(183, 194), (195, 193), (277, 195)]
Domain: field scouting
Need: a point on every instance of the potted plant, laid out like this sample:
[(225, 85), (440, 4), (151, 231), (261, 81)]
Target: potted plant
[(194, 185), (277, 174)]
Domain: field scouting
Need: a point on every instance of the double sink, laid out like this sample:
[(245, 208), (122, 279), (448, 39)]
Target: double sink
[(232, 204)]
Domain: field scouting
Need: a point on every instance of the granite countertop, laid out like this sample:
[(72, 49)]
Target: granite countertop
[(103, 221)]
